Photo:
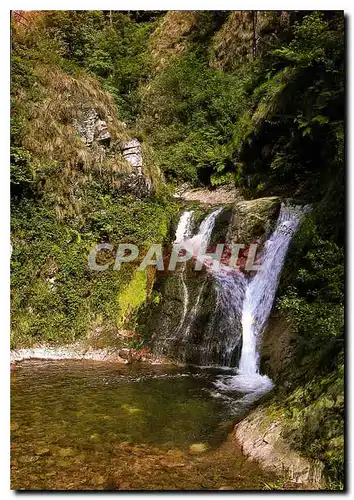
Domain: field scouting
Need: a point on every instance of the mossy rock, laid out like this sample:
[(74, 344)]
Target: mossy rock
[(222, 224), (253, 219), (200, 337)]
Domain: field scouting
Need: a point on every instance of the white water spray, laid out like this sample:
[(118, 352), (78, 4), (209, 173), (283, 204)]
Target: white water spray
[(184, 226), (257, 305), (183, 231), (201, 239)]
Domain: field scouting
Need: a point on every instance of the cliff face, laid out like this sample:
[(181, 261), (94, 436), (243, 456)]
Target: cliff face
[(231, 38)]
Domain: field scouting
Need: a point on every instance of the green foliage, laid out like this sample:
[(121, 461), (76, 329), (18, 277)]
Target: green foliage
[(20, 170), (111, 46), (55, 297), (189, 111), (314, 301), (133, 296), (297, 107), (275, 125)]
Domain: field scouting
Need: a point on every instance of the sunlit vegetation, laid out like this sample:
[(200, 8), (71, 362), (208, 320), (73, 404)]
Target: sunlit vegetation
[(252, 98)]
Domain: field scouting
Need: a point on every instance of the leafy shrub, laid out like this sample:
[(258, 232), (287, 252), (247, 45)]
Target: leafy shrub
[(191, 111)]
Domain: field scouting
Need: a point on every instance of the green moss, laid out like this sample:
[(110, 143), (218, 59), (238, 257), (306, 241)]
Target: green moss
[(132, 297), (55, 296), (312, 413)]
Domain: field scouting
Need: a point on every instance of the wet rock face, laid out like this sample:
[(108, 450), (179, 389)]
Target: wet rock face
[(91, 128), (278, 349), (253, 220), (190, 324)]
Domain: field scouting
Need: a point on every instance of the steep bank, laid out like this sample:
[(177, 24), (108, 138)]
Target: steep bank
[(76, 181), (298, 429)]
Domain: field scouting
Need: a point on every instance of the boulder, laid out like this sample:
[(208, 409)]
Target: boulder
[(131, 150), (125, 354), (253, 220)]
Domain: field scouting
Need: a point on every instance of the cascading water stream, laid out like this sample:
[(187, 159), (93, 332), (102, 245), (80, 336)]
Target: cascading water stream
[(262, 288), (212, 333), (184, 226), (174, 341), (257, 305), (202, 238), (194, 244), (183, 231)]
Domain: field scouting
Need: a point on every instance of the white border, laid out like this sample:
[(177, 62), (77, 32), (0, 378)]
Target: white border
[(179, 5)]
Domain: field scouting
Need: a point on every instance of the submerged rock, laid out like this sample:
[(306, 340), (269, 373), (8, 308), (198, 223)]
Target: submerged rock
[(198, 448), (125, 354)]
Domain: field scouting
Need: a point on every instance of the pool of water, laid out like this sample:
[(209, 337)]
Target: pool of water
[(91, 425)]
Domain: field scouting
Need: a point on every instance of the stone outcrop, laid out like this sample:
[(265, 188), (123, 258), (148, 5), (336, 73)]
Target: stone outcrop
[(80, 350), (94, 131), (91, 128), (253, 220), (222, 195), (131, 150), (260, 437), (135, 183)]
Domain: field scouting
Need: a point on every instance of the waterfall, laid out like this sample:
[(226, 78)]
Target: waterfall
[(183, 232), (175, 341), (205, 230), (262, 288), (202, 238), (184, 226), (257, 305), (223, 310)]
